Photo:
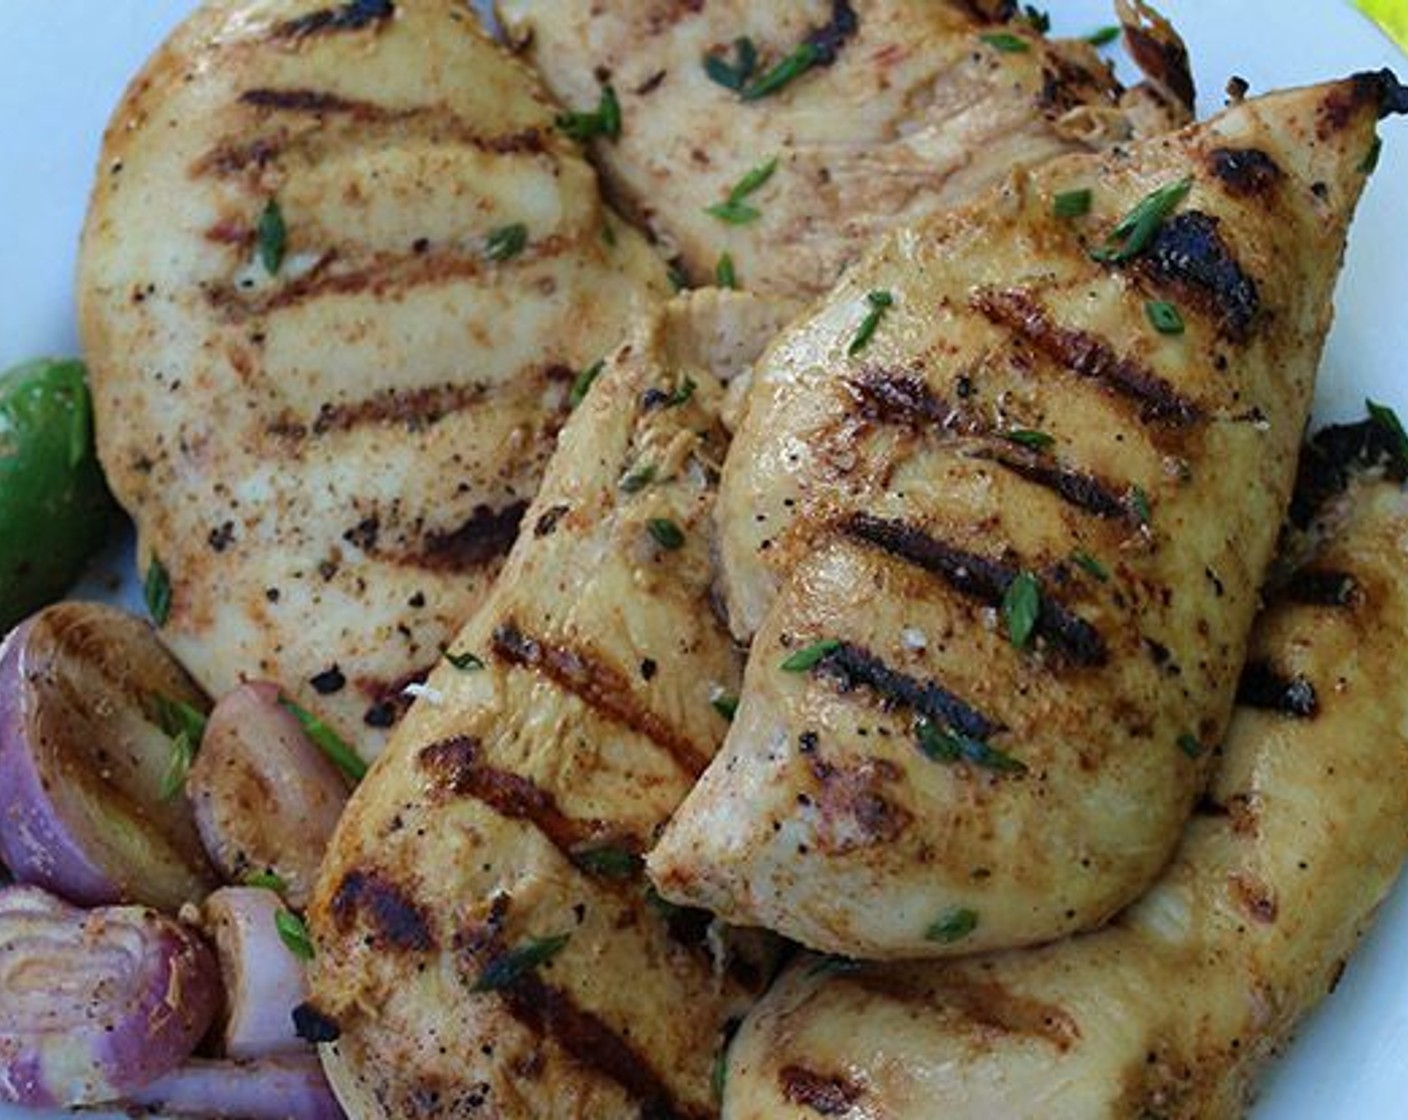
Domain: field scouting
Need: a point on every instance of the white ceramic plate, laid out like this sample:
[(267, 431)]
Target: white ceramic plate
[(63, 64)]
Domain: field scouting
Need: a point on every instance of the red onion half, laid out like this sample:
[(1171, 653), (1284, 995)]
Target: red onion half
[(95, 1004), (291, 1087), (84, 760)]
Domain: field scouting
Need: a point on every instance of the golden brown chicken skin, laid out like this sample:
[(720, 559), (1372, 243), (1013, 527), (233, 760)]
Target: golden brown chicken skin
[(339, 273), (487, 943), (786, 137), (1172, 1010), (1000, 528)]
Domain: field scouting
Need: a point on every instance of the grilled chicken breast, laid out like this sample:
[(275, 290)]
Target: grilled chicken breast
[(487, 944), (1018, 481), (338, 276), (1170, 1011), (897, 109)]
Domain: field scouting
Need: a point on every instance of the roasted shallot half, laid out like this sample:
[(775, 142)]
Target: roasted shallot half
[(96, 1004)]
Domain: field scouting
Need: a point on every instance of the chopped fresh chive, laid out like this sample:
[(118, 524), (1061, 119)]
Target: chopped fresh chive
[(505, 971), (1030, 438), (157, 590), (506, 242), (724, 276), (1021, 605), (793, 66), (294, 934), (1136, 229), (1005, 43), (1371, 157), (734, 209), (271, 236), (465, 662), (1036, 18), (1072, 204), (638, 478), (718, 1073), (682, 393), (1164, 316), (948, 746), (952, 925), (176, 717), (583, 381), (1388, 420), (178, 766), (733, 76), (607, 861), (266, 879), (1189, 745), (1091, 565), (808, 656), (604, 121), (726, 704), (1139, 503), (1103, 36), (880, 302), (665, 533), (329, 741)]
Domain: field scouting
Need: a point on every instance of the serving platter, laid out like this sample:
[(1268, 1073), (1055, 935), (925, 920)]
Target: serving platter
[(63, 64)]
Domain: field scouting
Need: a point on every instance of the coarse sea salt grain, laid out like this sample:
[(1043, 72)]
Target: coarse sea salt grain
[(914, 639)]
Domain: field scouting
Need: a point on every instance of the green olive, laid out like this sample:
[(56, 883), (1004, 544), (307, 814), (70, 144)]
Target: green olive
[(55, 508)]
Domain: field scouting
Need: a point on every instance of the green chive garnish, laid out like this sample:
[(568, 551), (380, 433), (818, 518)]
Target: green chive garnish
[(266, 879), (726, 704), (638, 478), (583, 381), (605, 121), (1136, 229), (1164, 316), (1091, 565), (682, 393), (506, 242), (1103, 36), (294, 934), (1072, 204), (1005, 43), (608, 862), (1036, 18), (517, 963), (808, 656), (724, 276), (1388, 420), (464, 662), (1028, 437), (737, 75), (271, 236), (178, 766), (734, 209), (1021, 605), (942, 745), (665, 533), (953, 925), (157, 590), (1189, 745), (329, 741), (1139, 503), (802, 59), (880, 302)]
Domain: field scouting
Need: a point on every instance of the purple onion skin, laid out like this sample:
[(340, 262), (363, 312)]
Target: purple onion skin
[(291, 1087), (96, 1004), (81, 761)]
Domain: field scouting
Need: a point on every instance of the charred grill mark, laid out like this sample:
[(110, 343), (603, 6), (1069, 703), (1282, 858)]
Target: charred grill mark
[(979, 578), (1086, 355), (456, 767), (1333, 454), (1084, 491), (1317, 588), (1263, 686), (1379, 88), (824, 1094), (315, 101), (1188, 251), (396, 920), (903, 398), (599, 685), (546, 525), (549, 1011), (351, 16), (854, 807), (1254, 896), (389, 698), (1245, 172), (486, 535), (850, 667), (417, 409), (313, 1026)]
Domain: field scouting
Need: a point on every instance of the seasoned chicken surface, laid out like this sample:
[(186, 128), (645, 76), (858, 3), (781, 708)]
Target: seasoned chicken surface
[(1005, 551), (897, 109), (339, 273), (1172, 1010), (487, 944)]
